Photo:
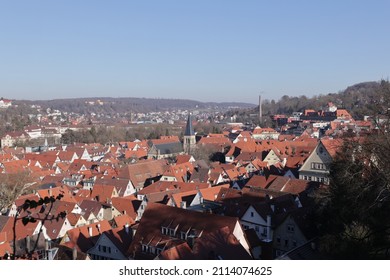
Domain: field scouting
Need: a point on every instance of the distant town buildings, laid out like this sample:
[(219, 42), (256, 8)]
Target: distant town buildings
[(248, 197)]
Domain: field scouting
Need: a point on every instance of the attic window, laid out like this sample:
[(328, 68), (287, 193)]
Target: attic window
[(321, 150), (183, 235), (164, 230), (290, 228)]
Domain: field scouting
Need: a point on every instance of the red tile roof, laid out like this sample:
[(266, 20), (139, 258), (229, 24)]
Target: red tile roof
[(82, 237)]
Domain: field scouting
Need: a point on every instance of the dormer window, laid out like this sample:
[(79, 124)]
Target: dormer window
[(183, 235), (164, 230)]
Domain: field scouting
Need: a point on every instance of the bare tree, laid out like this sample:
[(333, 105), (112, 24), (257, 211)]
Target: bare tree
[(12, 186)]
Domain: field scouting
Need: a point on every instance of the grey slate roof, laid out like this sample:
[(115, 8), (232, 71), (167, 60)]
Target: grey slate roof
[(169, 148), (189, 130)]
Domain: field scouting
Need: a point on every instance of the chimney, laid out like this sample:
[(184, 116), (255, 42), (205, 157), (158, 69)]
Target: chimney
[(74, 253), (260, 110), (90, 231)]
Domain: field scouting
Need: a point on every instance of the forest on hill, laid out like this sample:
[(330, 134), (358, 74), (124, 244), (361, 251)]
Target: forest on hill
[(109, 105), (360, 100)]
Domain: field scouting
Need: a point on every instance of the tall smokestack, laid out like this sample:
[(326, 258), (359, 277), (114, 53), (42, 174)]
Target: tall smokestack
[(260, 110)]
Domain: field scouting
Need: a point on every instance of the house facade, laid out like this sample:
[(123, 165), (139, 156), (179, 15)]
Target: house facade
[(316, 167)]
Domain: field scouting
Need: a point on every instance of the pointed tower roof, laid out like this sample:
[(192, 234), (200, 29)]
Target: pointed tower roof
[(189, 130)]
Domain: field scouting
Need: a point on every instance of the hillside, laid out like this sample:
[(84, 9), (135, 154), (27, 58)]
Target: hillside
[(367, 98), (123, 105)]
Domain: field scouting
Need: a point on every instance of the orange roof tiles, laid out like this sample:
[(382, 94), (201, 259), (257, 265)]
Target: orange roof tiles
[(81, 237), (332, 145), (104, 193)]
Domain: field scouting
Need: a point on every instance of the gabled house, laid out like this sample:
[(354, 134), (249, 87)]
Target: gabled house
[(220, 244), (76, 220), (67, 156), (104, 193), (56, 227), (112, 244), (263, 216), (124, 187), (85, 237), (317, 165), (292, 231), (273, 157), (143, 173), (126, 206), (92, 211), (82, 153), (163, 227), (178, 173), (256, 166)]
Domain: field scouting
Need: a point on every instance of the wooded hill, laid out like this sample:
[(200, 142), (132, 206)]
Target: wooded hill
[(368, 98), (125, 104)]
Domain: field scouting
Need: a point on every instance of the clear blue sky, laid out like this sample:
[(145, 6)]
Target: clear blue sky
[(207, 50)]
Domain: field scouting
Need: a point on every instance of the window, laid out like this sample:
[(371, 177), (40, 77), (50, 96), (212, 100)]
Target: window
[(144, 248), (305, 178), (164, 230), (109, 250), (290, 228), (252, 214), (286, 243), (104, 249), (294, 242), (257, 228), (278, 240)]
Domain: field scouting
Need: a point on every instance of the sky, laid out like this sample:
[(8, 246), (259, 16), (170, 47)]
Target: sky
[(205, 50)]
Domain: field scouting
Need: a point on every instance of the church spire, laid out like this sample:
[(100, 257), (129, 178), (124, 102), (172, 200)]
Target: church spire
[(189, 130), (189, 137)]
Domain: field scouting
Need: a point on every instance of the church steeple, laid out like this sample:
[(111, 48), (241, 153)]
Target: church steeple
[(189, 130), (189, 137)]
